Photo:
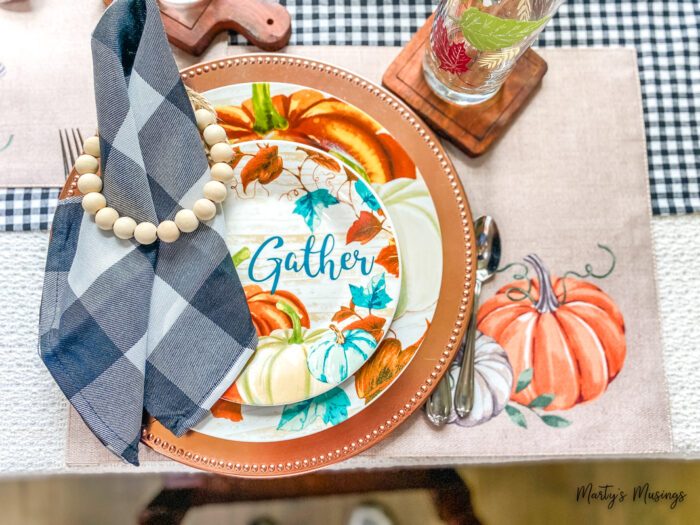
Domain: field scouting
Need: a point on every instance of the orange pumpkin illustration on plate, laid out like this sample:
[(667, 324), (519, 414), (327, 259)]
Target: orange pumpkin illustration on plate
[(265, 314), (568, 332), (310, 117)]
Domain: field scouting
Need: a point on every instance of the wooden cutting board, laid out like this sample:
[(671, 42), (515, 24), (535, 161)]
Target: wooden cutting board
[(191, 25)]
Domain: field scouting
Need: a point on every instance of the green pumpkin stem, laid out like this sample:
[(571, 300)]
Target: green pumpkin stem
[(266, 116), (296, 337), (339, 337), (548, 301)]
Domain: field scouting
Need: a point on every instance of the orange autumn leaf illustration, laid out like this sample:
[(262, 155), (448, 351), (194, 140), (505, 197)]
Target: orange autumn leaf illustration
[(388, 257), (364, 229), (343, 314), (371, 324), (226, 410), (566, 337), (264, 167), (228, 406), (310, 117), (322, 160)]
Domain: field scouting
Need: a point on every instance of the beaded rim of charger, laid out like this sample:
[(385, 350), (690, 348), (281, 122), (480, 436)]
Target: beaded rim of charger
[(185, 220)]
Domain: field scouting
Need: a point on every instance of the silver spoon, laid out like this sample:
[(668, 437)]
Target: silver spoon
[(439, 404), (488, 246)]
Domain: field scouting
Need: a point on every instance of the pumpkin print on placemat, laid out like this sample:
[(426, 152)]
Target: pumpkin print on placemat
[(564, 337)]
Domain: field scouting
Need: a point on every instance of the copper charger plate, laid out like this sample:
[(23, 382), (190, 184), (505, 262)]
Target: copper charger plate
[(409, 390)]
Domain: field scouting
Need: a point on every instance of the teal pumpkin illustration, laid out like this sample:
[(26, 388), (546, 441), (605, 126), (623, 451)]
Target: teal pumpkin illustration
[(337, 354)]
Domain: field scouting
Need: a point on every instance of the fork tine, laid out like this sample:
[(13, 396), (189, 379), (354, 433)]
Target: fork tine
[(77, 143), (66, 166), (82, 140)]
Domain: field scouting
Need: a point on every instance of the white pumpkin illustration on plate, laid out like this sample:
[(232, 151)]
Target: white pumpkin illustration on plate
[(415, 220)]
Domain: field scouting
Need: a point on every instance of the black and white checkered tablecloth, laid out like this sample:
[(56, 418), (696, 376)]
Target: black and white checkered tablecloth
[(665, 34)]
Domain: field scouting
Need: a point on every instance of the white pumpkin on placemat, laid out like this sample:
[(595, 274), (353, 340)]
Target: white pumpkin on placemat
[(493, 381)]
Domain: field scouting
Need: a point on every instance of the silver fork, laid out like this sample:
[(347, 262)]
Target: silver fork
[(71, 147)]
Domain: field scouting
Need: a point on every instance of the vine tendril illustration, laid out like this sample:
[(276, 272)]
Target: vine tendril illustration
[(7, 145), (589, 272)]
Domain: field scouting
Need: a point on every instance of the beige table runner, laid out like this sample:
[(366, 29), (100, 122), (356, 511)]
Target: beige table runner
[(570, 174), (47, 86)]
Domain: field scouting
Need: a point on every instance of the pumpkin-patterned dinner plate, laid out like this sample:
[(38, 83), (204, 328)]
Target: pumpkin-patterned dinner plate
[(363, 127), (317, 256)]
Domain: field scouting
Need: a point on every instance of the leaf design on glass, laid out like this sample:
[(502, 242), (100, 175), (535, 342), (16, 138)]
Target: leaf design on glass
[(371, 324), (310, 205), (322, 160), (364, 229), (497, 58), (336, 354), (264, 167), (487, 32), (516, 416), (524, 9), (524, 379), (331, 406), (453, 57), (372, 296), (367, 196), (388, 257)]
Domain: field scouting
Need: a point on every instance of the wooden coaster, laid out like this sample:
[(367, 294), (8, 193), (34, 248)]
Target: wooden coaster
[(472, 128), (191, 27)]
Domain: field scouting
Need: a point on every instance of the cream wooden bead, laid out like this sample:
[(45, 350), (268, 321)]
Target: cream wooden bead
[(94, 202), (222, 172), (215, 191), (146, 233), (214, 134), (221, 152), (89, 183), (105, 218), (91, 146), (168, 231), (186, 220), (124, 227), (204, 209), (86, 164), (204, 118)]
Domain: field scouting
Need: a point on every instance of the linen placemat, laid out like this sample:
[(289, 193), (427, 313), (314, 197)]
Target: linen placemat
[(568, 175)]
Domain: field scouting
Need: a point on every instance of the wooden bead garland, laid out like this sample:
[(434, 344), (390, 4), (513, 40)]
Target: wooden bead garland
[(186, 221)]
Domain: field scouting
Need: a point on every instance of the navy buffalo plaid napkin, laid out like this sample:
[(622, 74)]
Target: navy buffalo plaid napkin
[(123, 327)]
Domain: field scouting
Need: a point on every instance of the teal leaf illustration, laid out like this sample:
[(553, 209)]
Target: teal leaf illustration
[(555, 421), (310, 205), (516, 416), (366, 195), (335, 354), (487, 32), (541, 401), (372, 296), (332, 407), (523, 380)]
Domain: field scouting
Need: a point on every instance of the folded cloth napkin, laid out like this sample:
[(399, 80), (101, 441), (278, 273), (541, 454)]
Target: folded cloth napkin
[(123, 327)]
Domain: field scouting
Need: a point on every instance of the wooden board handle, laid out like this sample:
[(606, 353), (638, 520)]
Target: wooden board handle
[(265, 23)]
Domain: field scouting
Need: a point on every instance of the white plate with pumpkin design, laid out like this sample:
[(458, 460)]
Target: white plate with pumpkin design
[(318, 258)]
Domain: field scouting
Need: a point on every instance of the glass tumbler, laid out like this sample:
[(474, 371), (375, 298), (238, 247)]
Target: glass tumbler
[(474, 44)]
